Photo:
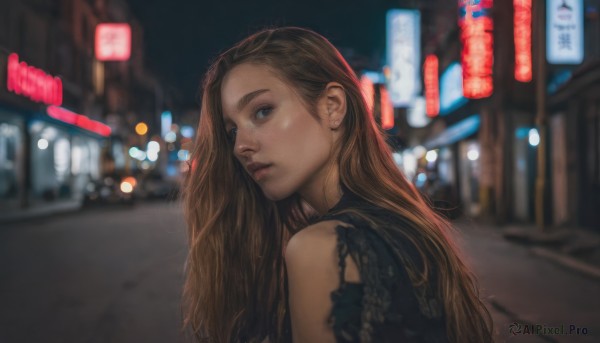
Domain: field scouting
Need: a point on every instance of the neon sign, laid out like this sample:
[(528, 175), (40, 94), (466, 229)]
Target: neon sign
[(33, 83), (404, 55), (432, 85), (368, 91), (522, 17), (78, 120), (387, 109), (477, 56), (451, 89), (113, 42)]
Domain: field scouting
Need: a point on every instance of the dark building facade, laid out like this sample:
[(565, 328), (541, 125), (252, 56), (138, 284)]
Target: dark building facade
[(493, 164), (46, 161)]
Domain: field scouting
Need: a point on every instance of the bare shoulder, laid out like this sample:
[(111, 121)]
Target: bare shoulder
[(313, 274), (314, 240), (314, 249)]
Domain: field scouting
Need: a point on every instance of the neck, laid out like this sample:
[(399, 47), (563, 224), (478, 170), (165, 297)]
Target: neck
[(323, 196)]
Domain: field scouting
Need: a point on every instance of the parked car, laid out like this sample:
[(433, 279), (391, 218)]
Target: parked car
[(156, 186), (111, 190)]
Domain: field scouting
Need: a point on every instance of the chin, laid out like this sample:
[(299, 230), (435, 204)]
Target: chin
[(276, 194)]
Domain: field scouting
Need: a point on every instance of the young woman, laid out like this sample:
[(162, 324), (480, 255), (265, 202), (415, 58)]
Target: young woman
[(301, 227)]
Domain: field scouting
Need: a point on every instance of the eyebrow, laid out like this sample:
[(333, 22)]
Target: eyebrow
[(243, 102)]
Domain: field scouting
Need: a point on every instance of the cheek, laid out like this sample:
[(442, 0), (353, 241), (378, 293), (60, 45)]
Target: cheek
[(295, 137), (301, 149), (286, 134)]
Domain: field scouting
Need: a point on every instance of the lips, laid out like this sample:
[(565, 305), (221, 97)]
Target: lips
[(256, 168)]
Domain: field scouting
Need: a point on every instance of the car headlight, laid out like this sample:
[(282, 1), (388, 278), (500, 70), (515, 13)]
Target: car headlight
[(128, 184)]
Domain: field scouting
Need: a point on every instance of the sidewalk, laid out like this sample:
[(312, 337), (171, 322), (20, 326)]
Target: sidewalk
[(573, 248), (10, 219), (525, 280)]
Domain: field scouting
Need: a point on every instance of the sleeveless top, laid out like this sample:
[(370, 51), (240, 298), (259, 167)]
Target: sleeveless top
[(384, 306)]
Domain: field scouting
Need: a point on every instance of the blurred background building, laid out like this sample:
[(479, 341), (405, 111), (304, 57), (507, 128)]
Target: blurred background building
[(491, 107), (68, 118), (502, 120)]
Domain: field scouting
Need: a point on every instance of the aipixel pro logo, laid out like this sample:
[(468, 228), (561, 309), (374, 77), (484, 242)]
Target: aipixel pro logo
[(544, 330)]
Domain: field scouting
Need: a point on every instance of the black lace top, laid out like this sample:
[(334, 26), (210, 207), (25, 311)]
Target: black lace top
[(385, 306)]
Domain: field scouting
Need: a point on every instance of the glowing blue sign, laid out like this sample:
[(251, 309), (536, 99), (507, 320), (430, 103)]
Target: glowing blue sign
[(166, 120), (455, 133), (404, 55), (451, 89)]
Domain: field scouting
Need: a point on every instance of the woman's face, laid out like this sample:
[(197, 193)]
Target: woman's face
[(270, 125)]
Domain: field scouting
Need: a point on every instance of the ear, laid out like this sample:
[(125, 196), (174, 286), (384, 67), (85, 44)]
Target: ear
[(332, 105)]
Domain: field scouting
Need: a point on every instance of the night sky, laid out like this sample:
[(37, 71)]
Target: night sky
[(183, 36)]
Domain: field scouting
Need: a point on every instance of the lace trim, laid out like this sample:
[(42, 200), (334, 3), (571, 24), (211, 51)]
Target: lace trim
[(376, 299), (380, 275)]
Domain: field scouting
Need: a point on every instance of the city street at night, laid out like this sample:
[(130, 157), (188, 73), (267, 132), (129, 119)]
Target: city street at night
[(265, 121), (116, 274)]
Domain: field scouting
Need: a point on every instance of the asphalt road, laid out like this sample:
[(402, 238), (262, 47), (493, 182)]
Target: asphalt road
[(110, 275), (115, 275)]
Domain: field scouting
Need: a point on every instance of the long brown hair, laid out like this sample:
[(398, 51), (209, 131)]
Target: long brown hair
[(234, 289)]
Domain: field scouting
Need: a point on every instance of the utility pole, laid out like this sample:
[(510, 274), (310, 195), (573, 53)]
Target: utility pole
[(541, 118)]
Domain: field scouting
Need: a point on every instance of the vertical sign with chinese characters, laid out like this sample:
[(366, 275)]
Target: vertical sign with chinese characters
[(476, 27), (113, 42), (522, 32), (404, 55), (564, 31), (432, 86)]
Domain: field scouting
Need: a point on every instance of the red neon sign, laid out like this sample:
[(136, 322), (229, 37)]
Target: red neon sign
[(33, 83), (522, 29), (78, 120), (368, 91), (432, 85), (387, 109), (113, 42), (477, 49)]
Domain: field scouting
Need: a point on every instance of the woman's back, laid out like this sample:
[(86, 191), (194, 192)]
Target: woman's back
[(384, 306)]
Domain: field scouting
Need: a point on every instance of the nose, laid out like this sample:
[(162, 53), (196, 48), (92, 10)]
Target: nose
[(245, 143)]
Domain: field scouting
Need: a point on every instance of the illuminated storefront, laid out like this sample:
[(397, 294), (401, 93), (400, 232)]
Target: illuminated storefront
[(48, 154), (63, 159), (452, 167)]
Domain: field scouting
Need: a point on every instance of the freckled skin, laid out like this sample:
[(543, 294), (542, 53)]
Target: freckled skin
[(288, 137)]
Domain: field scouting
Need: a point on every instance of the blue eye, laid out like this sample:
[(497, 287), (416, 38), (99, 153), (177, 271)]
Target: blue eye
[(264, 111), (231, 133)]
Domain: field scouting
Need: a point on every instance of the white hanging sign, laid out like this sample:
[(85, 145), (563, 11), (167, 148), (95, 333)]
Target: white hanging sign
[(564, 31), (403, 53)]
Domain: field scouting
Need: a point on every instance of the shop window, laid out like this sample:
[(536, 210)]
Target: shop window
[(50, 163), (85, 163), (470, 173)]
